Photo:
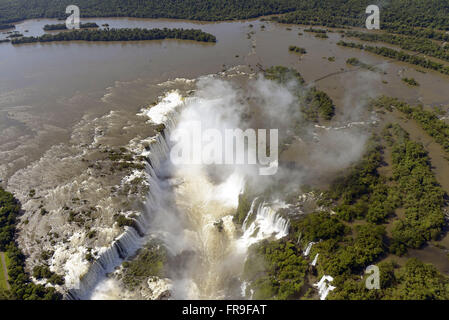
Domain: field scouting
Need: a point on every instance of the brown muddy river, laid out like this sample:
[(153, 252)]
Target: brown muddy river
[(45, 89)]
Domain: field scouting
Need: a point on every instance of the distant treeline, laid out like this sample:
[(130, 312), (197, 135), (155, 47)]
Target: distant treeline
[(206, 10), (62, 26), (394, 14), (399, 55), (22, 288), (125, 34)]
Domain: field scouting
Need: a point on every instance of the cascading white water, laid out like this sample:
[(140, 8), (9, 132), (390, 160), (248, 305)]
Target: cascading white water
[(127, 244), (266, 222), (191, 212)]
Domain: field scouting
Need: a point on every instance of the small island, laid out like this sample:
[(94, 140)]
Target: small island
[(62, 26), (410, 81), (321, 35), (296, 49), (357, 63), (7, 26), (125, 34), (15, 35)]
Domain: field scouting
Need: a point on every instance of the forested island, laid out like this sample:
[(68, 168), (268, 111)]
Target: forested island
[(395, 14), (124, 34), (357, 63), (62, 26), (7, 26), (296, 49)]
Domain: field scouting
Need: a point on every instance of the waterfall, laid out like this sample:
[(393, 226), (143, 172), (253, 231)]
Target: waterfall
[(266, 223), (324, 286), (308, 248), (315, 260), (261, 222), (131, 239)]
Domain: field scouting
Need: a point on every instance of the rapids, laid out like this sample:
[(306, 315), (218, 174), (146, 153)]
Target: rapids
[(189, 212)]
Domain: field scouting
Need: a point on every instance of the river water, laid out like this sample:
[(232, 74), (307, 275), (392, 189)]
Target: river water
[(45, 89)]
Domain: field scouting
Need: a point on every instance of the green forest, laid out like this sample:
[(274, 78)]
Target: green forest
[(395, 14), (124, 34), (370, 218), (210, 10), (21, 286), (365, 204)]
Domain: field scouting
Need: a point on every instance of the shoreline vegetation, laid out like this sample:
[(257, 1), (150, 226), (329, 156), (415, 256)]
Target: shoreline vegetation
[(125, 34), (62, 26), (21, 286)]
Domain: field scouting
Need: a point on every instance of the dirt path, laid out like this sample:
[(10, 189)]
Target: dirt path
[(5, 271)]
